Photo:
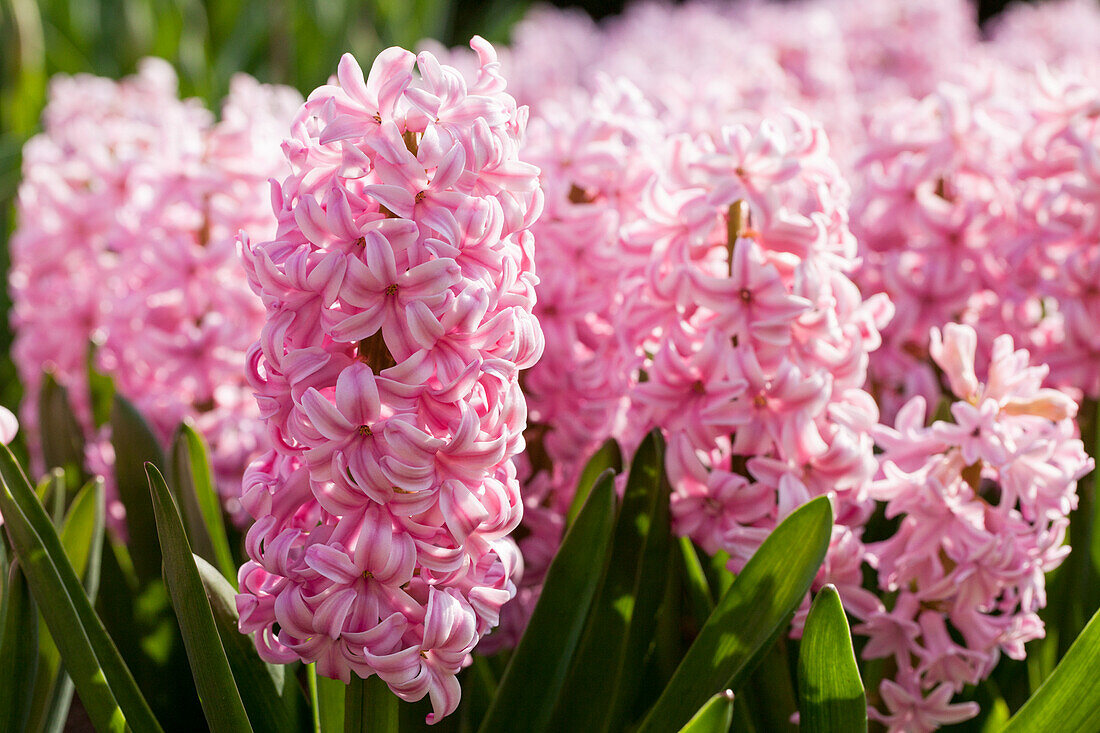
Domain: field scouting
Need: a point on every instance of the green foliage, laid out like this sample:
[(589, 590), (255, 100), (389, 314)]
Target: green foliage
[(714, 717), (62, 436), (1070, 698), (748, 618), (537, 670), (82, 533), (193, 487), (605, 675), (18, 650), (369, 707), (830, 691), (221, 702), (608, 456), (102, 679), (271, 697)]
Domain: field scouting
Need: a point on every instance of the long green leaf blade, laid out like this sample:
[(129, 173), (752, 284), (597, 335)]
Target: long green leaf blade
[(271, 697), (369, 706), (607, 456), (62, 437), (82, 537), (64, 583), (830, 691), (606, 670), (701, 601), (748, 617), (134, 445), (328, 701), (537, 669), (221, 701), (18, 650), (714, 717), (105, 685), (194, 486), (1070, 697)]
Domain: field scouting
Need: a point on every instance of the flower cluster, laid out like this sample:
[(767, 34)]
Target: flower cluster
[(977, 204), (982, 501), (127, 217), (699, 282), (399, 291), (697, 269)]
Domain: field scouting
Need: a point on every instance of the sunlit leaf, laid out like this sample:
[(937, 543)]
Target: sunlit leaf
[(199, 502), (748, 617), (830, 691), (1070, 698), (608, 456), (221, 701), (714, 717), (270, 695)]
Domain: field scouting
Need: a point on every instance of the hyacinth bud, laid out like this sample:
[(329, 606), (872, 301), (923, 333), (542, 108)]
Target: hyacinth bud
[(399, 292)]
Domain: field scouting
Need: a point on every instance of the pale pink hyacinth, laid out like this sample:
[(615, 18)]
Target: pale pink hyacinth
[(753, 341), (1054, 33), (127, 216), (977, 204), (983, 501), (749, 352), (974, 178), (399, 290)]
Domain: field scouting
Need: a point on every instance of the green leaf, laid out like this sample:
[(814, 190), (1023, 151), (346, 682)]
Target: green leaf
[(701, 602), (271, 697), (18, 650), (82, 532), (134, 445), (748, 617), (718, 574), (608, 456), (527, 692), (82, 537), (369, 706), (101, 389), (57, 494), (830, 692), (62, 436), (104, 683), (606, 671), (221, 702), (714, 717), (1070, 697), (328, 701), (194, 488)]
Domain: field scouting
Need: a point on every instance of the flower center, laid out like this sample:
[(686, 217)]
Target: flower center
[(365, 431)]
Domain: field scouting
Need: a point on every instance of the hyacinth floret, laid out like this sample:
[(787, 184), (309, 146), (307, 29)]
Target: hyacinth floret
[(982, 502), (399, 291)]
